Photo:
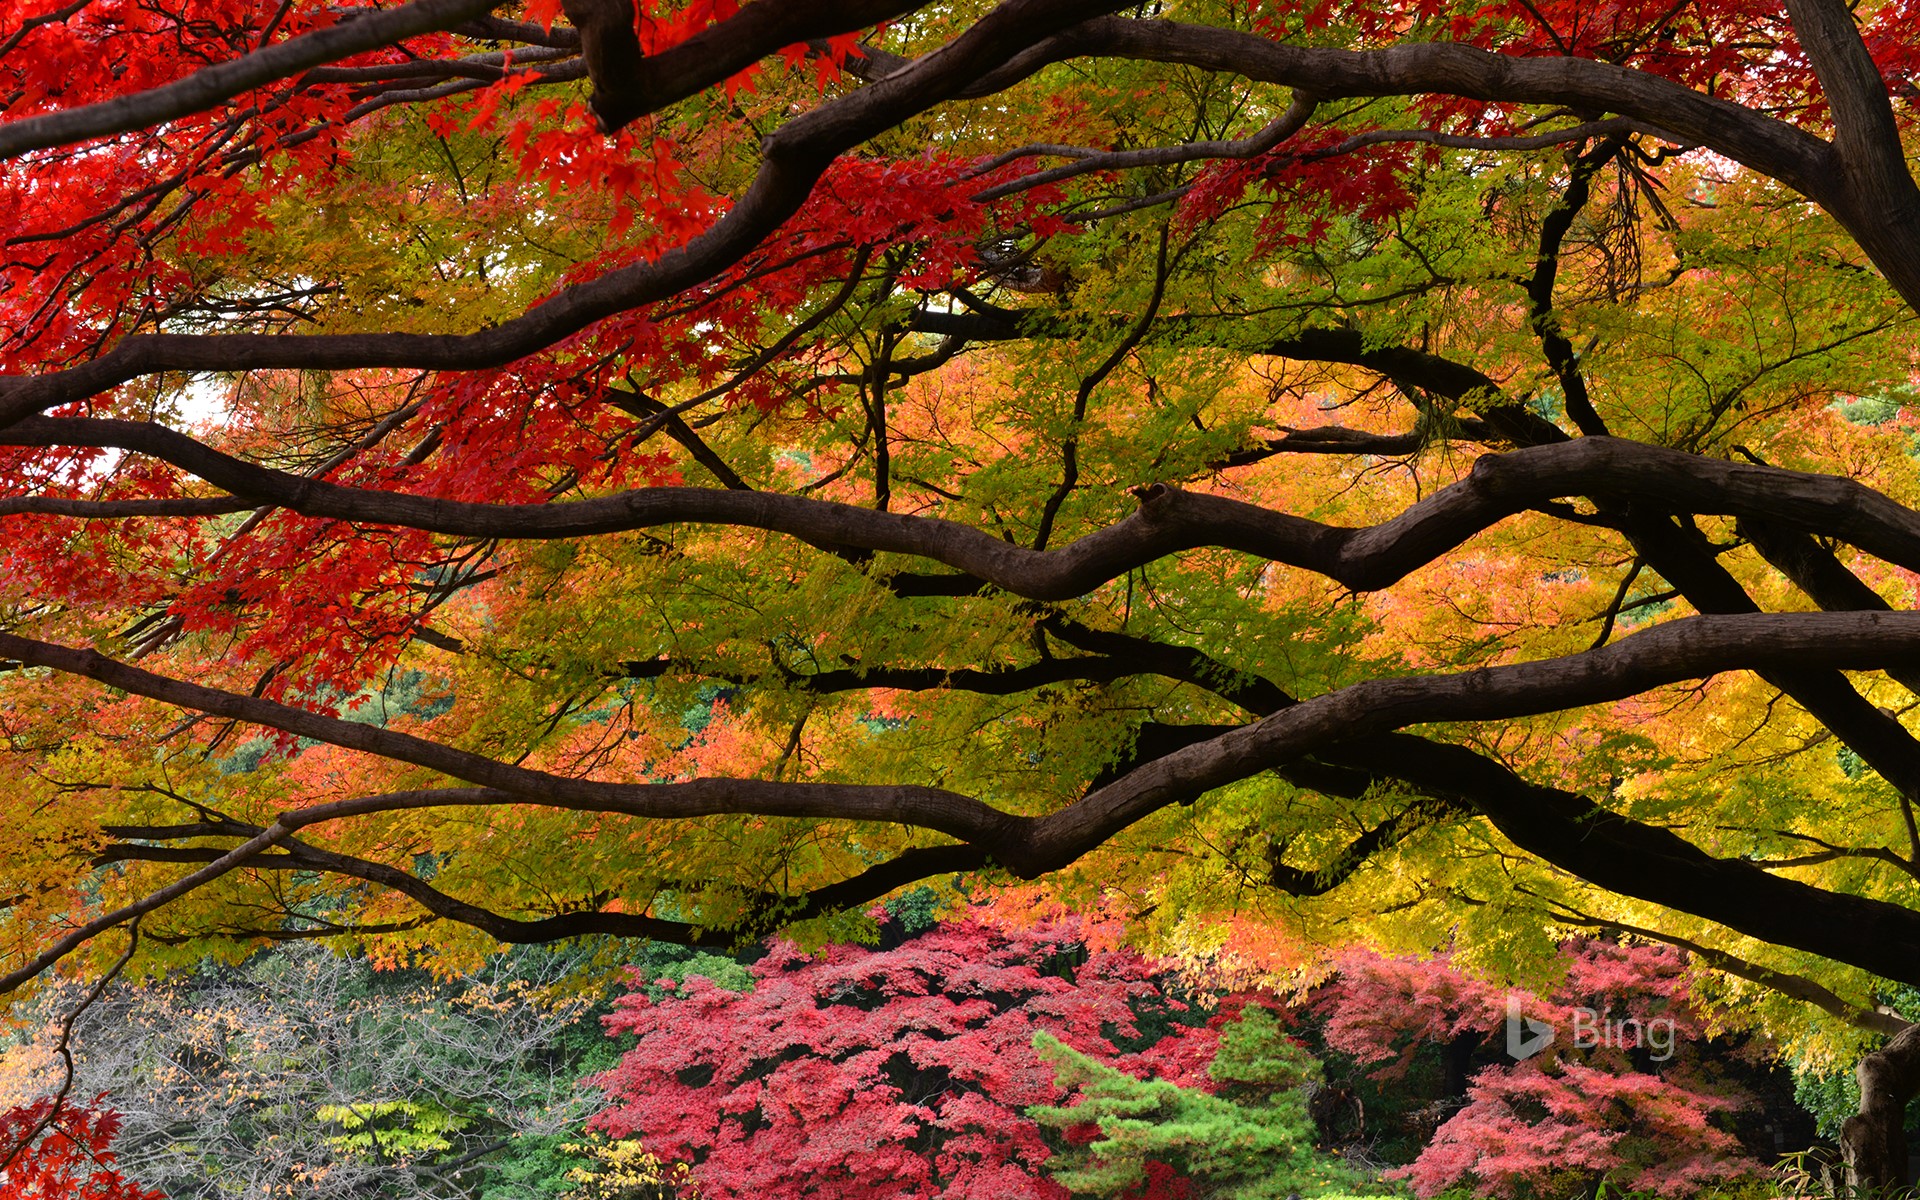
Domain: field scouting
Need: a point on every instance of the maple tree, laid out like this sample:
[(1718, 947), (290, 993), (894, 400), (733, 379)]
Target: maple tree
[(484, 472), (61, 1152), (1628, 1090)]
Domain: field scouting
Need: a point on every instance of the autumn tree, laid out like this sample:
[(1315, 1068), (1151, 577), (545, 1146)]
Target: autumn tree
[(1631, 1087), (485, 473), (60, 1151)]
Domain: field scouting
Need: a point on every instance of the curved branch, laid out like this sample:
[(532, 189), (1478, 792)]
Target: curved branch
[(1351, 729), (1767, 145), (1338, 439), (1693, 647), (1689, 648), (1648, 862), (628, 85), (1797, 987), (1296, 881), (767, 911), (1070, 445), (1276, 131), (930, 808), (1168, 521), (1546, 325), (1815, 571), (1407, 365), (1865, 134), (361, 31), (1536, 141), (991, 681), (240, 855), (793, 157), (1003, 47)]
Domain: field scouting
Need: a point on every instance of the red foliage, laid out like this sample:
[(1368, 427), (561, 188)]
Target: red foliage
[(328, 603), (899, 1073), (1618, 1092), (1380, 1008), (1310, 179), (65, 1158)]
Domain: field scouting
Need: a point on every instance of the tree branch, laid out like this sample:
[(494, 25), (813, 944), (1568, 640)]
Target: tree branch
[(1797, 987), (361, 31), (1168, 521)]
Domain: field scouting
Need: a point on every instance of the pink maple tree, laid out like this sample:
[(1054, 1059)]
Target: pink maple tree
[(1543, 1118), (1615, 1101)]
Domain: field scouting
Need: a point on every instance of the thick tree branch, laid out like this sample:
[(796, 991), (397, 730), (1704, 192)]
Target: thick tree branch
[(766, 911), (1817, 572), (792, 159), (361, 31), (1168, 521), (1749, 137), (1564, 829), (1865, 137), (1413, 368), (1012, 41), (989, 681)]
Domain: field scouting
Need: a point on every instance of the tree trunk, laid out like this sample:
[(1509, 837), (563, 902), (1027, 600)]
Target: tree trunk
[(1459, 1063), (1873, 1142)]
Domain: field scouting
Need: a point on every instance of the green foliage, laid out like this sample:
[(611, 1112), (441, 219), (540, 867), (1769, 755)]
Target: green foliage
[(385, 1130), (727, 973), (1254, 1141), (531, 1167), (1830, 1097), (916, 909), (1876, 409), (1256, 1058), (1830, 1093)]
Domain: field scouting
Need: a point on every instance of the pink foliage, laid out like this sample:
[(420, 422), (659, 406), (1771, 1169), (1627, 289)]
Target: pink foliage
[(860, 1073), (1623, 1104), (1527, 1123), (1384, 1008)]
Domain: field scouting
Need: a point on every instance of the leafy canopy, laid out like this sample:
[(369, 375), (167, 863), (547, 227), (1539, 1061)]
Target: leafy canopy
[(1436, 472)]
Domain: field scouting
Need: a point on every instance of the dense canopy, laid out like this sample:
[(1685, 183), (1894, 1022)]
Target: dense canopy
[(481, 472)]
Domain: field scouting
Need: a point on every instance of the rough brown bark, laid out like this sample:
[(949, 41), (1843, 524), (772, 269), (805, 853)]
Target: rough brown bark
[(1873, 1142)]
